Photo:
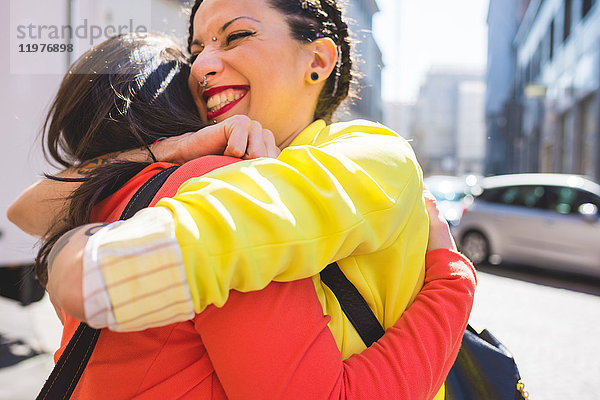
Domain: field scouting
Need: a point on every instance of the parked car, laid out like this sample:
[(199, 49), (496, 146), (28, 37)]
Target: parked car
[(452, 193), (547, 220)]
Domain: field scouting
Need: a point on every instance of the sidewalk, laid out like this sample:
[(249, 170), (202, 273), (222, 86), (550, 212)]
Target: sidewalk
[(31, 333)]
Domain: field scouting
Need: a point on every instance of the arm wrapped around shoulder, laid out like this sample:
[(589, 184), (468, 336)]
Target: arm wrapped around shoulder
[(240, 227), (247, 224)]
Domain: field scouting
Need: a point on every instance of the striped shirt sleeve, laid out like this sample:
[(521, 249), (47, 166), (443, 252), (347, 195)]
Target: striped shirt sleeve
[(134, 277)]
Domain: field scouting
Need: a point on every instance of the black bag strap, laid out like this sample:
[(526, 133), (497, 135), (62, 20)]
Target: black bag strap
[(68, 370), (484, 367), (143, 197), (353, 304)]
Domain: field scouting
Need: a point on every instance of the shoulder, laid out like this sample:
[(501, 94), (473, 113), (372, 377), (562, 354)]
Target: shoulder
[(192, 169), (365, 138), (357, 126), (110, 208)]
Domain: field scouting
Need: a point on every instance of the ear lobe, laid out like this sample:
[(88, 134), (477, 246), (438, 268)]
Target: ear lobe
[(324, 59)]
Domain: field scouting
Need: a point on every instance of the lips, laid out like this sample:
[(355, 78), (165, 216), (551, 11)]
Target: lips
[(221, 99)]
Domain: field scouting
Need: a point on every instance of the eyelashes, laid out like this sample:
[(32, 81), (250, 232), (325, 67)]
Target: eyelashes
[(238, 35), (228, 41)]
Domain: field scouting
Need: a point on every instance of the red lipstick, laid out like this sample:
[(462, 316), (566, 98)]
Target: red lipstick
[(218, 89)]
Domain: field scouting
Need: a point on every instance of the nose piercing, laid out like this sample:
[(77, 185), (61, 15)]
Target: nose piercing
[(204, 82)]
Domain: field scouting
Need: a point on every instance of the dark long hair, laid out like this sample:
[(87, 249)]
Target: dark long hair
[(308, 21), (125, 93)]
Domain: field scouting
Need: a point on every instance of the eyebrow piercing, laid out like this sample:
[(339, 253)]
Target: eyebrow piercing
[(214, 38)]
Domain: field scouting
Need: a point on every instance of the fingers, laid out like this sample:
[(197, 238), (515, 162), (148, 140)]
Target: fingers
[(269, 139), (256, 144), (237, 143), (247, 139), (439, 231)]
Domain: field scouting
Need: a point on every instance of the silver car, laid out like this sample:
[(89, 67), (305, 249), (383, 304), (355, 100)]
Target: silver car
[(547, 220)]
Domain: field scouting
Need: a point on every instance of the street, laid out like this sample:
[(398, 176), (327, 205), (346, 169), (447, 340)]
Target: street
[(548, 321)]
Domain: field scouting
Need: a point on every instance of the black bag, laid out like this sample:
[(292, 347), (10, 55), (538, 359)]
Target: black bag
[(68, 370), (19, 283), (484, 368)]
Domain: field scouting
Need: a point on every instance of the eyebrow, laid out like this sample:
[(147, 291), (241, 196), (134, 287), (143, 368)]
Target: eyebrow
[(225, 25), (196, 42)]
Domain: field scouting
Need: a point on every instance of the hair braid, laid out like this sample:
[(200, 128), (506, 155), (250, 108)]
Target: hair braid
[(191, 28), (341, 76)]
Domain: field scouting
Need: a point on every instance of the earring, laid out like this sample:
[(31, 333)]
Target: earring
[(204, 82), (314, 76)]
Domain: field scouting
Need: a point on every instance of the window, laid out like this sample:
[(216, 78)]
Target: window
[(492, 195), (586, 7), (529, 196), (587, 136), (567, 19), (532, 195), (567, 200), (551, 50), (566, 159), (510, 196), (586, 197), (536, 62)]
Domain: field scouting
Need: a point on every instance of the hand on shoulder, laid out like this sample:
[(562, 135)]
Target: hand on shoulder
[(237, 136)]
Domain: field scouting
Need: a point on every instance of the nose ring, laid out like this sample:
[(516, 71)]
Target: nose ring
[(204, 82)]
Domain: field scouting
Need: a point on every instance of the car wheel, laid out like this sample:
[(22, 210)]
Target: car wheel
[(476, 247)]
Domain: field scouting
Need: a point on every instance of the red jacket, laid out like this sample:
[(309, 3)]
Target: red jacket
[(275, 343)]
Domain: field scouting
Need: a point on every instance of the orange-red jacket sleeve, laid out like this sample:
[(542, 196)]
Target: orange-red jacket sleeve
[(275, 343)]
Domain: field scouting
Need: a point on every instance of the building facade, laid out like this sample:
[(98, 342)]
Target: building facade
[(368, 62), (398, 116), (501, 64), (448, 123), (552, 118)]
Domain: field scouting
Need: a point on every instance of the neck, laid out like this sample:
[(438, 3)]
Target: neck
[(290, 138)]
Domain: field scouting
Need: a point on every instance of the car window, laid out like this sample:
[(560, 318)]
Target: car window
[(525, 196), (532, 196), (561, 199), (510, 196), (586, 197), (491, 195), (566, 200)]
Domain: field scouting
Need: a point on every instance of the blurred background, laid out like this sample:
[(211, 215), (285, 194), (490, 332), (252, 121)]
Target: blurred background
[(501, 102)]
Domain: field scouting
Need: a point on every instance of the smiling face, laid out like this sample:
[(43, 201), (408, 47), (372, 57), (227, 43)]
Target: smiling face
[(254, 67)]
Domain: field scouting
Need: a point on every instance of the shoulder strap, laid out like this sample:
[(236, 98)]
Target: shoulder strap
[(68, 370), (353, 304), (143, 197)]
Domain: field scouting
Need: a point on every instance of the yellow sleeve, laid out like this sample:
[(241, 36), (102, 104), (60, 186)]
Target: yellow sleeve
[(249, 223)]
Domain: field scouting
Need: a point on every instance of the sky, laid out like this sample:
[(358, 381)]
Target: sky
[(417, 34)]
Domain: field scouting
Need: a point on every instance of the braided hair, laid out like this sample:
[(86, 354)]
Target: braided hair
[(310, 20)]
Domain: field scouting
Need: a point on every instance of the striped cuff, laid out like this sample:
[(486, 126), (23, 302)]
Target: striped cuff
[(134, 277)]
